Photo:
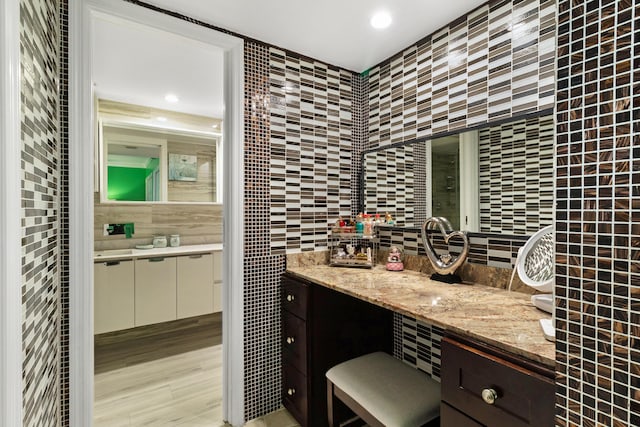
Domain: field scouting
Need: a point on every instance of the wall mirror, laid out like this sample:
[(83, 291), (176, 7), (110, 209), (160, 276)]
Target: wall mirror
[(146, 164), (497, 178)]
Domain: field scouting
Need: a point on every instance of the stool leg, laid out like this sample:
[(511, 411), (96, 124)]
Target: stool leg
[(330, 407)]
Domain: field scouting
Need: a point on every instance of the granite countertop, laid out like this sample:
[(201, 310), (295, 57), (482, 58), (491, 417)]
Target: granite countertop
[(506, 320), (120, 254)]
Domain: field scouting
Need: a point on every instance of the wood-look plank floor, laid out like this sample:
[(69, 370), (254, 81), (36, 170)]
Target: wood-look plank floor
[(279, 418), (160, 375)]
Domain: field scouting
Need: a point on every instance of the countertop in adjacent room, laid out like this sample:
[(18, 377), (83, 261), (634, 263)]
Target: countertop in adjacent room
[(506, 320), (121, 254)]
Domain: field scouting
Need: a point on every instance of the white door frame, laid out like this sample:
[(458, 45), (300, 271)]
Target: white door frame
[(81, 176), (11, 413)]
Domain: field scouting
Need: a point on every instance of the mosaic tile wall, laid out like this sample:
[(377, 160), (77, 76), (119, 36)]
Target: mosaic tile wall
[(420, 344), (494, 63), (360, 134), (516, 176), (598, 214), (63, 264), (262, 269), (40, 162), (390, 182), (311, 150)]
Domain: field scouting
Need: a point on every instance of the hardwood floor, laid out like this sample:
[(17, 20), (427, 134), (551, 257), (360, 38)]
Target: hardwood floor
[(160, 375)]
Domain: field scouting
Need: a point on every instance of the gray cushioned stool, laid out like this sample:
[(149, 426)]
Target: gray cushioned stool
[(383, 391)]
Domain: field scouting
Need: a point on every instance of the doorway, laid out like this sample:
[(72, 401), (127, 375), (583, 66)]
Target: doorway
[(452, 179), (82, 157)]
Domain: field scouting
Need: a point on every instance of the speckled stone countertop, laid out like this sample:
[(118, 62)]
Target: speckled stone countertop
[(506, 320)]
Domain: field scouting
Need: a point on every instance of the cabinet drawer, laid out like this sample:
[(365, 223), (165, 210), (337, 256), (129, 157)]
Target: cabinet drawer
[(294, 393), (113, 296), (449, 417), (524, 398), (294, 341), (194, 285), (155, 290), (294, 297)]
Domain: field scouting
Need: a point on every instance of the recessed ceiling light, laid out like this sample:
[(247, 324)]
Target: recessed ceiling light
[(171, 98), (215, 126), (381, 20), (161, 119)]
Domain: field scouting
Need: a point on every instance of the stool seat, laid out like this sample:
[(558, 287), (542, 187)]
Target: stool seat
[(392, 392)]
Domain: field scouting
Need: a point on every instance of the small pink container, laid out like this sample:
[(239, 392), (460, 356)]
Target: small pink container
[(395, 266)]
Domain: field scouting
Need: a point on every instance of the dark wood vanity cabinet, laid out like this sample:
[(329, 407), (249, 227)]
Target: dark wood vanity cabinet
[(321, 328), (481, 386)]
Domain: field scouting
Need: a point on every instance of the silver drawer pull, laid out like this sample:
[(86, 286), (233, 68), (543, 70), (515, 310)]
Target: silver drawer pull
[(195, 256), (111, 263), (159, 259), (291, 340), (291, 391), (489, 396), (290, 297)]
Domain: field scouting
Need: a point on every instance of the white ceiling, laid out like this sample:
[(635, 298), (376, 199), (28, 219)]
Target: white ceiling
[(334, 31), (139, 65)]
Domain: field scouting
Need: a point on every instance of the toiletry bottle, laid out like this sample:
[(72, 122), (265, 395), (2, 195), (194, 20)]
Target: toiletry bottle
[(368, 226), (389, 219), (359, 224)]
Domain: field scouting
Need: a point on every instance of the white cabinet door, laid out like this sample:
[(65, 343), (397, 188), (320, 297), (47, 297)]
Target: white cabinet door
[(155, 297), (195, 285), (217, 281), (113, 296)]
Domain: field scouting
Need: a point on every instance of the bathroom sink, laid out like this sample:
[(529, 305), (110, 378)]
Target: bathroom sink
[(113, 252)]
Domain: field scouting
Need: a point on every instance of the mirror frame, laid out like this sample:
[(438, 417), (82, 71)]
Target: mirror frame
[(361, 175)]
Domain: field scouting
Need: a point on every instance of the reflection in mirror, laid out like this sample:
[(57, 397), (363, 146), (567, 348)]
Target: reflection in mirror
[(495, 179), (133, 171), (142, 162), (452, 179)]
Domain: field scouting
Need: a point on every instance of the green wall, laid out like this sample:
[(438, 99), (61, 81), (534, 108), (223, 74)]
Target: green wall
[(127, 183)]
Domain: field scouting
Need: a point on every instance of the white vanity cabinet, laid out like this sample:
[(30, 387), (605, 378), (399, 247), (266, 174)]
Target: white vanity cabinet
[(143, 287), (113, 295), (155, 285), (195, 285)]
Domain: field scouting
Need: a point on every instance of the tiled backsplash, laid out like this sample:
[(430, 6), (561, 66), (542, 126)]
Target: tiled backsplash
[(493, 250), (195, 223)]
